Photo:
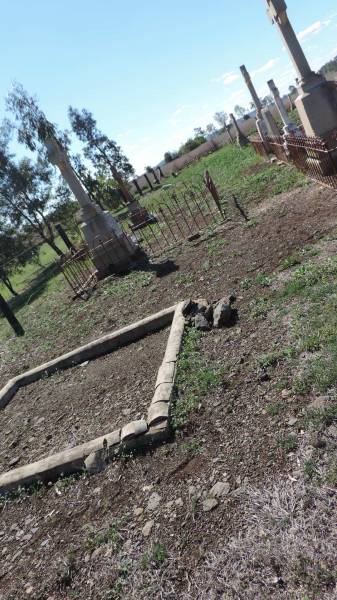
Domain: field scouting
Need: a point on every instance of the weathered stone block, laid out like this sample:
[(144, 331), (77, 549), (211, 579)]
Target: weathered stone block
[(158, 412), (163, 393), (166, 373), (133, 429)]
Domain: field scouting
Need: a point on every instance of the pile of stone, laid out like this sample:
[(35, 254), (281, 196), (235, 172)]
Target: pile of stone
[(204, 315)]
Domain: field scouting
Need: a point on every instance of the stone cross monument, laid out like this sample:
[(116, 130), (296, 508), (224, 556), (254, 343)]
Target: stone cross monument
[(289, 127), (265, 122), (111, 249), (317, 99), (241, 139)]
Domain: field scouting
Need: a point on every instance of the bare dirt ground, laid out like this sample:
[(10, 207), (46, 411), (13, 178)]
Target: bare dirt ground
[(81, 403), (144, 528)]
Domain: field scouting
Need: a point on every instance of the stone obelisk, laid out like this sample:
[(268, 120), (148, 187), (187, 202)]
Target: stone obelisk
[(241, 139), (289, 128), (111, 249), (265, 122), (317, 99)]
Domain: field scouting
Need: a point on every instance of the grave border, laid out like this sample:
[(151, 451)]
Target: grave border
[(133, 435)]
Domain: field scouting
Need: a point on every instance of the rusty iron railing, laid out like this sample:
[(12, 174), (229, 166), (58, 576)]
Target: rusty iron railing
[(314, 157), (79, 270), (180, 212), (258, 146), (277, 146)]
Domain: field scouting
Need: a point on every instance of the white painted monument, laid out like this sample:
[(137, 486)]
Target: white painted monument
[(111, 249)]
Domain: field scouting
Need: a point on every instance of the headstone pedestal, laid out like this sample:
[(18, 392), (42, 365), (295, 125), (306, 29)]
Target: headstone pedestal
[(111, 249)]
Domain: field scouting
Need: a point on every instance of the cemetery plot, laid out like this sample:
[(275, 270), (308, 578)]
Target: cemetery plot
[(80, 404)]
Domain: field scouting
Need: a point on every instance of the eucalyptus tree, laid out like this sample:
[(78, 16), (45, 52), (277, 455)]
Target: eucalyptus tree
[(101, 150), (27, 194), (11, 251), (33, 127)]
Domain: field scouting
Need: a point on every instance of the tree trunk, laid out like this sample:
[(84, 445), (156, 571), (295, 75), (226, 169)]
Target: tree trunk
[(52, 245), (7, 283), (10, 316)]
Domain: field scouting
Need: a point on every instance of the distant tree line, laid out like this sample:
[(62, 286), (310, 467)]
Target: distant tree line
[(329, 67), (222, 120)]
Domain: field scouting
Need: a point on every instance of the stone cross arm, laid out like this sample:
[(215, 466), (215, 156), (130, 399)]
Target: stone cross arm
[(277, 10)]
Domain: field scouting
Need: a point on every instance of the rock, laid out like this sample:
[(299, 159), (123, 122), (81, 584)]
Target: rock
[(223, 314), (332, 431), (316, 441), (200, 322), (221, 488), (97, 552), (319, 403), (188, 308), (285, 393), (209, 504), (95, 462), (204, 308), (179, 502), (138, 511), (14, 461), (154, 501), (292, 421), (127, 545), (29, 589), (146, 531)]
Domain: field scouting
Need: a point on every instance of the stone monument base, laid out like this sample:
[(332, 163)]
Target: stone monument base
[(112, 251), (317, 107)]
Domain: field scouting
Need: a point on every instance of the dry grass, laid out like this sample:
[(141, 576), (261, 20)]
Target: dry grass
[(286, 550)]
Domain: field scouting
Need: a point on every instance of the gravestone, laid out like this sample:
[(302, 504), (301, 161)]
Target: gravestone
[(241, 139), (288, 126), (265, 123), (317, 98), (111, 249)]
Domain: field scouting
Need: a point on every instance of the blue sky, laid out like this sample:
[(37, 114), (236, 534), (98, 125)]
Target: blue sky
[(151, 71)]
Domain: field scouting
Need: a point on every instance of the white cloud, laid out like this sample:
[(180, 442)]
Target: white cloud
[(266, 67), (227, 78), (313, 29), (175, 117)]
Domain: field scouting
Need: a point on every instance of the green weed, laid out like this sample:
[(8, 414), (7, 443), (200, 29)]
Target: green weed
[(274, 408), (109, 536), (288, 443), (290, 261), (128, 284), (309, 468), (259, 308), (263, 280), (215, 245), (159, 554), (193, 447), (194, 378)]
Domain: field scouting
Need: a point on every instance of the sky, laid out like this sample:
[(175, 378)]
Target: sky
[(152, 71)]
